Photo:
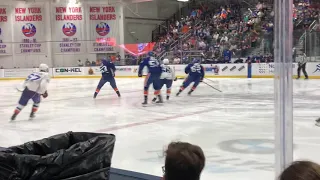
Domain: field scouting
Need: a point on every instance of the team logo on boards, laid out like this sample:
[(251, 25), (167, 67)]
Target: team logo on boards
[(241, 68), (29, 30), (102, 29), (141, 46), (318, 68), (233, 68), (225, 68), (69, 29)]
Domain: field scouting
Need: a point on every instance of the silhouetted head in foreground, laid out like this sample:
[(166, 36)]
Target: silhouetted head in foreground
[(183, 161), (301, 170)]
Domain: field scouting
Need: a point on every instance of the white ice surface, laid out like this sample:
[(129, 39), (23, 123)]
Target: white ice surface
[(243, 111)]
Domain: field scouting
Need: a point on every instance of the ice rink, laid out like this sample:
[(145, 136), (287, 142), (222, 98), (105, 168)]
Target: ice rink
[(235, 128)]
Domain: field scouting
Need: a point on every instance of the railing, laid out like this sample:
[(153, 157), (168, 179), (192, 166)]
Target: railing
[(181, 39), (176, 16)]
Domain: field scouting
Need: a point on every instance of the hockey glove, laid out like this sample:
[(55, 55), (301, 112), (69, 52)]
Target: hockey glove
[(45, 95), (139, 75)]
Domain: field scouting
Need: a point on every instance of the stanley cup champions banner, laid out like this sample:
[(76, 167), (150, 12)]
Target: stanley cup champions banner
[(29, 28), (5, 31), (68, 25), (103, 28)]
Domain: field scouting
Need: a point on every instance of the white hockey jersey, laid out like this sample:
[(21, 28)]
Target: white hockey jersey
[(167, 72), (37, 82)]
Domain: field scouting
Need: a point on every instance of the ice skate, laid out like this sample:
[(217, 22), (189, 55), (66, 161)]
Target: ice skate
[(145, 102), (32, 116), (154, 99), (160, 99), (13, 117)]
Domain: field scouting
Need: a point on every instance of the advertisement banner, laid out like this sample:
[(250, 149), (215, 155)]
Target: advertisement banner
[(5, 31), (18, 73), (68, 71), (226, 69), (29, 28), (313, 69), (103, 28), (1, 73), (120, 71), (68, 29), (267, 69)]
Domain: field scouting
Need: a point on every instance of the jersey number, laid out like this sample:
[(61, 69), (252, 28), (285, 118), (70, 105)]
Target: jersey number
[(104, 69), (167, 70), (153, 62), (33, 77), (196, 68)]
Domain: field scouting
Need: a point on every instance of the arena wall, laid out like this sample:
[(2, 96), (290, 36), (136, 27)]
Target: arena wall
[(261, 70)]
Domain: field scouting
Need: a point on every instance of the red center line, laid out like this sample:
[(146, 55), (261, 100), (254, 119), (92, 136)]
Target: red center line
[(153, 121)]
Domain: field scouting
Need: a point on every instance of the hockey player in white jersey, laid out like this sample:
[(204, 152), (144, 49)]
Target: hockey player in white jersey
[(34, 86), (166, 78)]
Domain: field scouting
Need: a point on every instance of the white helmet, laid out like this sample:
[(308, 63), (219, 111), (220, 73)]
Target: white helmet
[(165, 61), (44, 68)]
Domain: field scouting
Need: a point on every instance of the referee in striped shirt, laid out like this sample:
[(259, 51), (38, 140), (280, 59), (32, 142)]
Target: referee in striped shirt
[(302, 66)]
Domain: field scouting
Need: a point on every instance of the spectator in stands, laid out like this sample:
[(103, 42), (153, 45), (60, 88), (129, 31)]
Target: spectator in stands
[(88, 63), (202, 45), (112, 58), (183, 161), (301, 170), (93, 63), (80, 63), (176, 60), (118, 57)]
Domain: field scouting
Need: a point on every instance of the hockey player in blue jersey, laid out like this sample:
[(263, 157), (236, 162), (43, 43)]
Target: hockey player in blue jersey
[(153, 76), (195, 73), (167, 77), (108, 70)]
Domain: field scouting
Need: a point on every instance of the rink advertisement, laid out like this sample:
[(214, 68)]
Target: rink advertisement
[(5, 30), (68, 29), (313, 69), (18, 73), (120, 70), (28, 29), (103, 28), (262, 70), (266, 70), (68, 71)]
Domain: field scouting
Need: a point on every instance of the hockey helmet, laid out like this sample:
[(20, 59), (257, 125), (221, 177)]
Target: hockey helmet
[(196, 60), (43, 68), (150, 53), (165, 61)]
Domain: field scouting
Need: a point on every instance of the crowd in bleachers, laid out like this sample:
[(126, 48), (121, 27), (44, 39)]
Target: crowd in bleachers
[(231, 33)]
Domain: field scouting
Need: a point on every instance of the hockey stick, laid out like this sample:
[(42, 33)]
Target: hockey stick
[(209, 80), (211, 86)]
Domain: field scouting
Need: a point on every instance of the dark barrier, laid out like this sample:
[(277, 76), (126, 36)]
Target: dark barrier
[(119, 174), (69, 156)]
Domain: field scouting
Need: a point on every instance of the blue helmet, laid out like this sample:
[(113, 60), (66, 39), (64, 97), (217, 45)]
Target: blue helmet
[(195, 60), (150, 53)]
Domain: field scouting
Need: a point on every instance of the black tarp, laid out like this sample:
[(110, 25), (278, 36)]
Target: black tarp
[(69, 156)]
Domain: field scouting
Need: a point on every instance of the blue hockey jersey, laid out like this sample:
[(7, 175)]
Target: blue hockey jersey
[(195, 69), (107, 69), (152, 64)]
